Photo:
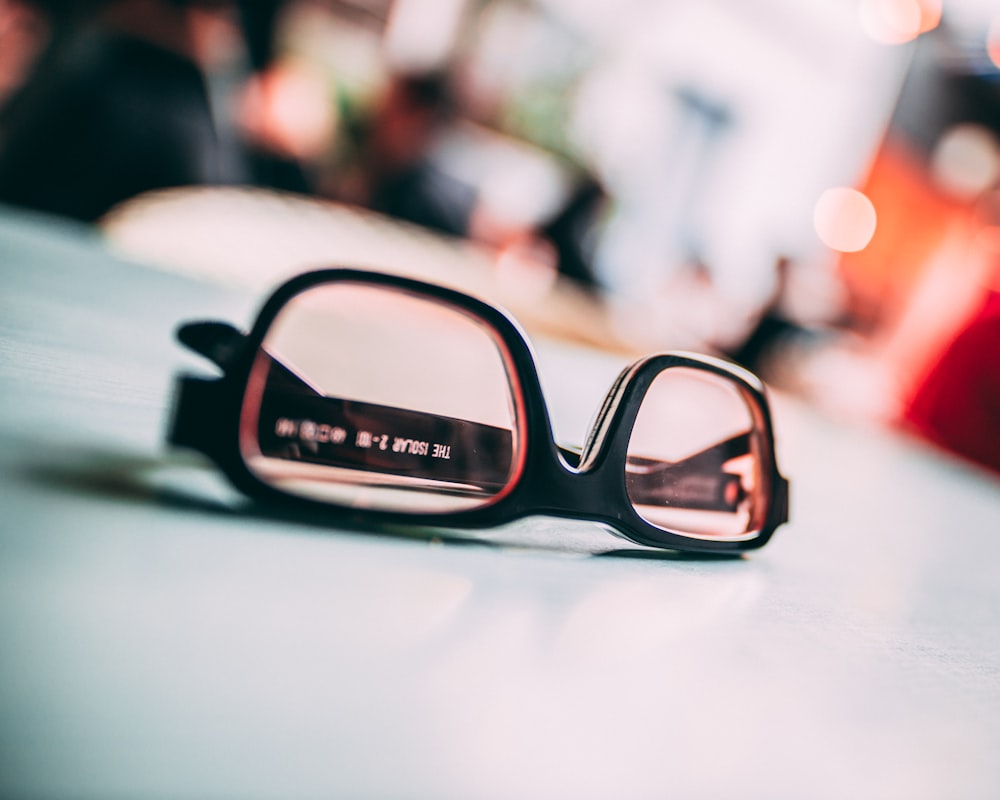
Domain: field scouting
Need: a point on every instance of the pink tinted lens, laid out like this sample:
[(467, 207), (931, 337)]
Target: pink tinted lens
[(694, 462), (376, 398)]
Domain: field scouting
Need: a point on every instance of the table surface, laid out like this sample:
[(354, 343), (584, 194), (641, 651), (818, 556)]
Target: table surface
[(164, 637)]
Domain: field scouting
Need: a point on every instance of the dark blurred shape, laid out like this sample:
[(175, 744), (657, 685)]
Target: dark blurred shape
[(109, 113), (571, 230), (958, 405), (773, 328), (392, 169), (259, 19), (946, 83), (117, 106)]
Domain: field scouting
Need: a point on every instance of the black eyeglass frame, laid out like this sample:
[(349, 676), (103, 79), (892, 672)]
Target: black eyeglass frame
[(208, 411)]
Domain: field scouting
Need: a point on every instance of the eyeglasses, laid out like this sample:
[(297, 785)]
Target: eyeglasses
[(411, 402)]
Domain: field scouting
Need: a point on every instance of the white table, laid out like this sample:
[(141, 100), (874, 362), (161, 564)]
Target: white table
[(163, 637)]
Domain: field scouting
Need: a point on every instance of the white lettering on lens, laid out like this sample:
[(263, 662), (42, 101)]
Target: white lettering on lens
[(415, 447), (383, 442), (285, 428), (364, 439), (309, 431), (441, 451)]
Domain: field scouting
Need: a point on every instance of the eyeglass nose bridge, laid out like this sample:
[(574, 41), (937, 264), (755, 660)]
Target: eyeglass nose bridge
[(564, 490), (589, 482), (586, 484)]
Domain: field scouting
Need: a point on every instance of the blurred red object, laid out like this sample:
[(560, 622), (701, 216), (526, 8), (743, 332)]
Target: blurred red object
[(957, 406)]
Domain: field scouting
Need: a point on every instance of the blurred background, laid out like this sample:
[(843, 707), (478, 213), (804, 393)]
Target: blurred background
[(810, 189)]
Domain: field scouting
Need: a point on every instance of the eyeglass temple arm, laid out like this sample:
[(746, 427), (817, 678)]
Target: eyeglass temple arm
[(695, 482), (725, 450)]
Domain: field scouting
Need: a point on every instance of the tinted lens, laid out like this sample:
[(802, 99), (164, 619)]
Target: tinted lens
[(694, 457), (376, 398)]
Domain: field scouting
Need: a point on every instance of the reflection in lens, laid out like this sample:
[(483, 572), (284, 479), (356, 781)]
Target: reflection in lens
[(694, 464), (375, 398)]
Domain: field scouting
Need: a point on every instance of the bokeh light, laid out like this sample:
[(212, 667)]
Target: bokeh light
[(966, 161), (930, 14), (898, 21), (845, 219), (993, 42)]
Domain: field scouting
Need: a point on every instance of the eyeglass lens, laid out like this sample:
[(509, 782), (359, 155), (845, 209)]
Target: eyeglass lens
[(694, 462), (375, 398)]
